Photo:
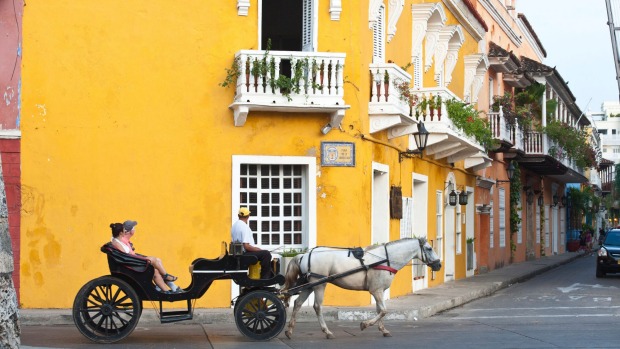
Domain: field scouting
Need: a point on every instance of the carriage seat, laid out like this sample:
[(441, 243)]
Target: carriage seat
[(117, 260)]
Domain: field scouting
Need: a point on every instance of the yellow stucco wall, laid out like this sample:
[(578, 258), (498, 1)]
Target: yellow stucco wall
[(123, 118)]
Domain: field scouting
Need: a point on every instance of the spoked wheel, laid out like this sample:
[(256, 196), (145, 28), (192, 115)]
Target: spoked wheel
[(260, 315), (106, 310)]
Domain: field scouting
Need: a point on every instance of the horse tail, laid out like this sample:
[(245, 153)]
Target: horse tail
[(293, 270)]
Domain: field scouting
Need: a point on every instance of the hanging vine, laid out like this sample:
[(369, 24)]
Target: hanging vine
[(515, 199)]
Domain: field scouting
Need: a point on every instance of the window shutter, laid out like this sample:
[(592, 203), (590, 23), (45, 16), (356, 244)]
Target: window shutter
[(502, 218), (378, 37), (306, 40)]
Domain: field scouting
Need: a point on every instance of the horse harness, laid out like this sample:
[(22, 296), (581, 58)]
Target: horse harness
[(356, 252)]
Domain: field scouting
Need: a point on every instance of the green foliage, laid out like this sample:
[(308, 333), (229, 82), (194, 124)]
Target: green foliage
[(524, 107), (232, 73), (571, 142), (468, 120), (292, 252)]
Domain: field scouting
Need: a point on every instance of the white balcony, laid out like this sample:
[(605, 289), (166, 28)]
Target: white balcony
[(388, 107), (445, 141), (289, 81)]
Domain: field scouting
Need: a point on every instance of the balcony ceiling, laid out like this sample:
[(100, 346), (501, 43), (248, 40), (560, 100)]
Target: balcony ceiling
[(546, 165)]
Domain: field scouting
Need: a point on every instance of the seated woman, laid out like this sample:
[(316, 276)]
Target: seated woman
[(121, 235)]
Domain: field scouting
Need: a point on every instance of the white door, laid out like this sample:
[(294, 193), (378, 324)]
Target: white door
[(419, 228), (380, 207), (449, 241)]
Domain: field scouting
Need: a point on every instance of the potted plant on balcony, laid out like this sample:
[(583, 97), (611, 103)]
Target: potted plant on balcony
[(438, 103), (405, 95), (467, 119)]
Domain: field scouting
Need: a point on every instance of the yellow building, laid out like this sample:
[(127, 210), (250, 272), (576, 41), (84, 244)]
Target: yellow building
[(124, 117)]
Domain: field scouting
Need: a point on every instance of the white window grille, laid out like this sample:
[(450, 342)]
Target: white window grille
[(378, 37), (502, 217), (547, 226), (439, 228), (537, 225), (275, 194), (491, 226)]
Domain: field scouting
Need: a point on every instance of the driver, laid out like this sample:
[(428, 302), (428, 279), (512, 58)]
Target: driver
[(241, 232)]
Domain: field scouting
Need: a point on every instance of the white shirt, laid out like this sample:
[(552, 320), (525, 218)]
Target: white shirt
[(241, 232), (126, 248)]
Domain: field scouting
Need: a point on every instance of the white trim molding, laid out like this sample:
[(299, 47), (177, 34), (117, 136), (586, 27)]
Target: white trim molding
[(466, 18), (421, 14), (373, 12), (501, 21), (450, 39), (243, 7), (476, 66), (335, 8), (395, 9)]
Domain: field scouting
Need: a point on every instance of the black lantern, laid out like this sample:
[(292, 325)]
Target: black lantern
[(541, 200), (510, 171), (530, 197), (563, 200), (556, 199), (421, 137), (463, 198), (452, 198)]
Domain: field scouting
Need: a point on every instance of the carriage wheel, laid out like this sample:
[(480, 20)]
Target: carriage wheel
[(260, 315), (106, 310)]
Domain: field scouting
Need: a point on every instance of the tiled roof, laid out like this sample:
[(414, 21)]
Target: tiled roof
[(531, 66), (472, 9)]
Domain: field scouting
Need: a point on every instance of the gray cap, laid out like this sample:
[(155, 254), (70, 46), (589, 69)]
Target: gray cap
[(129, 225)]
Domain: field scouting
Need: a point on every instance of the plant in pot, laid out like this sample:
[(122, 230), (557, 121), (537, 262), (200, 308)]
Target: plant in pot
[(287, 256)]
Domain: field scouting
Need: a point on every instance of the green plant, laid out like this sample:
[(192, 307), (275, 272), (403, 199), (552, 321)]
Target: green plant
[(468, 120), (404, 92), (232, 73), (571, 142), (470, 240), (292, 252)]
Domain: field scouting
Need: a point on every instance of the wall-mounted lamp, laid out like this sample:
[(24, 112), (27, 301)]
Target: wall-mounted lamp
[(463, 198), (452, 198), (564, 201), (529, 197), (510, 171), (556, 200), (421, 138), (541, 200), (326, 128)]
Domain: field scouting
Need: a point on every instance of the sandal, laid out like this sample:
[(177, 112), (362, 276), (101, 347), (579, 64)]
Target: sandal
[(169, 277)]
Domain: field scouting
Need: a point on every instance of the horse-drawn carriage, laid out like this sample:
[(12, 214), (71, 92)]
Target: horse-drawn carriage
[(107, 309)]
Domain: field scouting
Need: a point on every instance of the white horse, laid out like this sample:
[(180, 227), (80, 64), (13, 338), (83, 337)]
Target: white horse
[(324, 264)]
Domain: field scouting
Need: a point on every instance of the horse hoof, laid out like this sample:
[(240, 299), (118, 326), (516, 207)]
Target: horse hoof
[(330, 336), (288, 334), (387, 334), (362, 326)]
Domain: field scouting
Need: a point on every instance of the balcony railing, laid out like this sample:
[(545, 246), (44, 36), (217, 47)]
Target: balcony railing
[(388, 106), (289, 81), (537, 143)]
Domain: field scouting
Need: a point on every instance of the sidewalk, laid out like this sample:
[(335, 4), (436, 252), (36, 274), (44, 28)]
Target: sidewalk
[(421, 304)]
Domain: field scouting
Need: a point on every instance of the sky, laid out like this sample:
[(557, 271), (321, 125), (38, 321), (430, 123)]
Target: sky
[(576, 37)]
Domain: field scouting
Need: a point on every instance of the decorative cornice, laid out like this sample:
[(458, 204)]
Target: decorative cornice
[(242, 7), (531, 37), (475, 65), (450, 38), (501, 21), (395, 10), (373, 12), (335, 8), (421, 13), (471, 20)]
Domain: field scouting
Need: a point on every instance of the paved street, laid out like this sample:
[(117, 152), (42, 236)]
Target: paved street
[(566, 307)]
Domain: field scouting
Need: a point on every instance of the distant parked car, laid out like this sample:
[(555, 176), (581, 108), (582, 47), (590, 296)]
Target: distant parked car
[(609, 254)]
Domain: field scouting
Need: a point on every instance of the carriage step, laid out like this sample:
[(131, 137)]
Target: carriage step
[(174, 316)]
